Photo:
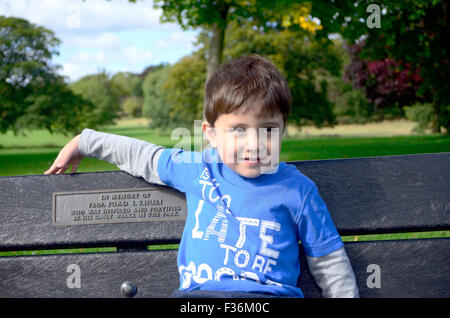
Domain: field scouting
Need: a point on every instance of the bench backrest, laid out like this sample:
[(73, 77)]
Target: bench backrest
[(364, 195)]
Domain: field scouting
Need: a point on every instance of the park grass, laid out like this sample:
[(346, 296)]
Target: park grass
[(35, 159), (33, 154)]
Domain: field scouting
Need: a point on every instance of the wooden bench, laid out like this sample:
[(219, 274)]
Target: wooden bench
[(394, 194)]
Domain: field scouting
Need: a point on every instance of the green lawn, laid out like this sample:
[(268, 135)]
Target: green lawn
[(34, 153), (353, 147)]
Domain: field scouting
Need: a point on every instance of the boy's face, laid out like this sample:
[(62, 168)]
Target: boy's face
[(248, 144)]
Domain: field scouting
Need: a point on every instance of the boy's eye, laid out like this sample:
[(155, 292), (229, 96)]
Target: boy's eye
[(271, 129), (239, 131)]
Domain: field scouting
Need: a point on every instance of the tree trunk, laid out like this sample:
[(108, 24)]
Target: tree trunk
[(215, 48), (216, 42), (435, 124)]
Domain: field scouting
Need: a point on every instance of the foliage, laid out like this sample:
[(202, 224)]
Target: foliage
[(100, 91), (204, 13), (127, 88), (155, 104), (306, 64), (132, 106), (185, 90), (387, 83), (214, 16), (32, 94), (173, 96), (57, 108), (420, 113), (405, 62), (127, 84), (350, 105), (412, 32)]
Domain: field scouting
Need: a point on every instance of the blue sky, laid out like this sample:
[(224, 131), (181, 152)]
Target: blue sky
[(100, 35)]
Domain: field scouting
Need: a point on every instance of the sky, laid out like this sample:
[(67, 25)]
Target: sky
[(105, 35)]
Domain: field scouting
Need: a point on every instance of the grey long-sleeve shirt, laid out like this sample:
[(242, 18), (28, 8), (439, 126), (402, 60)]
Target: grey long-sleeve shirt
[(137, 157), (333, 272)]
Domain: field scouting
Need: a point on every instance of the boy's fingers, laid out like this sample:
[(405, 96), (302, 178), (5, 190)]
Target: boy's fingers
[(57, 168), (65, 158), (52, 169), (62, 168), (74, 167)]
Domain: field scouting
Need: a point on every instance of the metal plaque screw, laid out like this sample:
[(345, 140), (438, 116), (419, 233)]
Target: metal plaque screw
[(128, 289)]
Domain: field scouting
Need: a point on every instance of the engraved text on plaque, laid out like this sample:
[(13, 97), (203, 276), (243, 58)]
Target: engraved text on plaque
[(117, 206)]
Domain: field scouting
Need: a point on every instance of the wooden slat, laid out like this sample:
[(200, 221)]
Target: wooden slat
[(26, 213), (364, 195), (385, 194), (408, 268), (101, 274)]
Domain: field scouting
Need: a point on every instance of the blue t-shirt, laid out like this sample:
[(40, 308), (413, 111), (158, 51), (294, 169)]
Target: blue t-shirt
[(242, 234)]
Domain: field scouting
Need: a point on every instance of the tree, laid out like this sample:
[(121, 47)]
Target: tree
[(155, 105), (128, 84), (127, 87), (214, 16), (176, 98), (184, 87), (178, 94), (132, 106), (411, 31), (173, 95), (57, 108), (386, 83), (305, 62), (100, 91), (27, 79)]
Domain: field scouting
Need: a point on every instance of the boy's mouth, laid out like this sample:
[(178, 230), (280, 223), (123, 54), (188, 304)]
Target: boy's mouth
[(251, 161)]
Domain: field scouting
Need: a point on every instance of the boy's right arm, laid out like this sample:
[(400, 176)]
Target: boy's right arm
[(134, 156)]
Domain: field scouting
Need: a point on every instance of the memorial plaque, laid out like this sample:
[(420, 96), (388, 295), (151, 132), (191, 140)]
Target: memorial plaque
[(117, 206)]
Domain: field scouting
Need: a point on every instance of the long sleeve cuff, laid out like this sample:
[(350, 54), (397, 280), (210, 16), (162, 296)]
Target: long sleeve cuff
[(334, 274)]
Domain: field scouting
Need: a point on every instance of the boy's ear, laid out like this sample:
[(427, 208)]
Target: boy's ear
[(209, 133)]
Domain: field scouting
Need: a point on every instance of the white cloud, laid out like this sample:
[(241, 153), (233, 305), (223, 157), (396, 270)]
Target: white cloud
[(77, 70), (88, 16), (131, 59), (89, 57), (102, 40), (178, 38), (118, 15), (135, 55)]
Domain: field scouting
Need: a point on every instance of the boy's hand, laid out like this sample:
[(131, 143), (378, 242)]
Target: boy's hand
[(69, 155)]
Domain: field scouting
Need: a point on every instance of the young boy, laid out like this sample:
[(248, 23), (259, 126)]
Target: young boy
[(247, 211)]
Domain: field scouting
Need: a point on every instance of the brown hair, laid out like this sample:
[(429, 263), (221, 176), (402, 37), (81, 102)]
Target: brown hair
[(242, 83)]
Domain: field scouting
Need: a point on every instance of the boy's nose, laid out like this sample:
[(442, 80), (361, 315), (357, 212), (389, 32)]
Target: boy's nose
[(251, 140)]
